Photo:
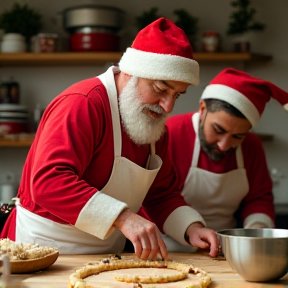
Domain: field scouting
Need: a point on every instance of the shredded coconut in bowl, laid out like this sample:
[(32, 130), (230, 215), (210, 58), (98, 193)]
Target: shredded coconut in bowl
[(20, 251)]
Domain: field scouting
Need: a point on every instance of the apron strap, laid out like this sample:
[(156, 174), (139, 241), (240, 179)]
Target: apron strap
[(152, 148), (152, 152), (195, 124), (109, 82), (239, 157)]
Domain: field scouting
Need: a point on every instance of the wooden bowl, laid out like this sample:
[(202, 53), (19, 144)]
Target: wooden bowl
[(33, 265)]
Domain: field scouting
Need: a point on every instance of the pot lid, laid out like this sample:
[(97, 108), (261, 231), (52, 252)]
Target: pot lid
[(99, 7), (92, 16)]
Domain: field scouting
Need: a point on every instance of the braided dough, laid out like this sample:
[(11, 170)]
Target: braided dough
[(143, 273)]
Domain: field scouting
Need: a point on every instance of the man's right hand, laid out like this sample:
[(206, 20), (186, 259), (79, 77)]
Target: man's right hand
[(143, 234)]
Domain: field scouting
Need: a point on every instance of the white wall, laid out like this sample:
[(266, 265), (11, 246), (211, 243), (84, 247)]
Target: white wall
[(42, 84)]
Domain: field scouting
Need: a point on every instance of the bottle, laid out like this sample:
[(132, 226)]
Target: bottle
[(5, 269), (9, 90), (7, 188)]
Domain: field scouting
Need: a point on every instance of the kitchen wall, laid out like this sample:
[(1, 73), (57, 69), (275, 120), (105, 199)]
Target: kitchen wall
[(42, 84)]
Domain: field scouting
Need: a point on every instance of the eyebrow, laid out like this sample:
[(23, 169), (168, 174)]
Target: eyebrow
[(223, 130), (171, 86)]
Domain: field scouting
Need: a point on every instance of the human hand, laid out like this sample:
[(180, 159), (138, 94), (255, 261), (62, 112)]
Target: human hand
[(203, 238), (143, 234)]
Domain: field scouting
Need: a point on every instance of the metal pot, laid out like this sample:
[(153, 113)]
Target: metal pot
[(92, 16)]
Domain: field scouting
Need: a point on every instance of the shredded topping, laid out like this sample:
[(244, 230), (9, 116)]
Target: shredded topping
[(20, 251)]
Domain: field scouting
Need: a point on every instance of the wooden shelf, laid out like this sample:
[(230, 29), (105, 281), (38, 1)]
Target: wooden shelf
[(17, 141), (96, 58), (27, 141), (246, 57)]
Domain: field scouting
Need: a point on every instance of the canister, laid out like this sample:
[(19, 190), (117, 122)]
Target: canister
[(13, 43), (45, 43)]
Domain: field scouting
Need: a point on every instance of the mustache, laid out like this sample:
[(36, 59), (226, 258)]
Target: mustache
[(154, 108)]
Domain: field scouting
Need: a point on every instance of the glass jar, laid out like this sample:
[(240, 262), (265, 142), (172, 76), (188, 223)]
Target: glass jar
[(210, 41), (45, 42)]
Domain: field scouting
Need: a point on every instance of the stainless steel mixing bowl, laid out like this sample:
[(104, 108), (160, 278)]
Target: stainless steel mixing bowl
[(257, 255)]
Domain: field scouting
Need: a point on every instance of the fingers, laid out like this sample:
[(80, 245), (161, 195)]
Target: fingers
[(205, 238), (214, 246), (163, 249), (137, 248), (144, 235), (150, 246)]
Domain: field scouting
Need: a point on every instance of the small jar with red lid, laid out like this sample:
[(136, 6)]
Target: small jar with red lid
[(210, 41)]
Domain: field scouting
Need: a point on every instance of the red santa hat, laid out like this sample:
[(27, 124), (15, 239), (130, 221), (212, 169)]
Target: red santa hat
[(246, 93), (161, 51)]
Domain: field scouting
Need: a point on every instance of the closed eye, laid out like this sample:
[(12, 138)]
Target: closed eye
[(239, 137), (218, 129), (158, 89)]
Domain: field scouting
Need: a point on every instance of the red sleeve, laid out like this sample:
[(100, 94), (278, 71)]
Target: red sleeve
[(260, 196), (164, 196), (53, 174)]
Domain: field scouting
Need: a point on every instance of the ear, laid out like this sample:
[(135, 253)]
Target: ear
[(121, 79), (202, 109)]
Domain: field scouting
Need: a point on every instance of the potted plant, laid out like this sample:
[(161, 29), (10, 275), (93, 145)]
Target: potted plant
[(21, 19), (146, 17), (188, 23), (242, 22)]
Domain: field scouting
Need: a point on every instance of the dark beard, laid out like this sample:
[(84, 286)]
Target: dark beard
[(210, 148)]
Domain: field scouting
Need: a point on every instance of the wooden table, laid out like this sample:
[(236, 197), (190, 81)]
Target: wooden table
[(57, 276)]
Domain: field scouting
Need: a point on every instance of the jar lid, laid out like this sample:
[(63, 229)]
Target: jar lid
[(47, 35), (210, 33), (13, 36)]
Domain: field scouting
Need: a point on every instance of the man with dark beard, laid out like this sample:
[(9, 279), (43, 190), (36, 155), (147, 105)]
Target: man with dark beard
[(220, 165), (100, 152)]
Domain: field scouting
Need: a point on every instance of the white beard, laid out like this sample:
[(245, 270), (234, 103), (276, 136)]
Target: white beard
[(141, 128)]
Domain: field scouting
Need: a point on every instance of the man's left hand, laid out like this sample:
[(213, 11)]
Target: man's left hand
[(202, 237)]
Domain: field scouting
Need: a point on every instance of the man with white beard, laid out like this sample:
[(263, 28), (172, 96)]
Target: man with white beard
[(100, 152)]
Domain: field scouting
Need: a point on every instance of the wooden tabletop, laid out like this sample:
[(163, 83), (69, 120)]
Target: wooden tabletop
[(57, 275)]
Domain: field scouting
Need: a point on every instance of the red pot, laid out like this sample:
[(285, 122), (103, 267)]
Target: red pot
[(94, 42), (13, 127), (13, 119)]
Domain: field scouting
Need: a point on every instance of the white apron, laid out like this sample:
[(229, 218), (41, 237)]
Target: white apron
[(215, 196), (128, 183)]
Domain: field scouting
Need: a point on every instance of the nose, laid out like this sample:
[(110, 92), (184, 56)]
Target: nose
[(167, 103), (224, 144)]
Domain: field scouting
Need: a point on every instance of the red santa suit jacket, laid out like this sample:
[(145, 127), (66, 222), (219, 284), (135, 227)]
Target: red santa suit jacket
[(259, 198), (72, 157)]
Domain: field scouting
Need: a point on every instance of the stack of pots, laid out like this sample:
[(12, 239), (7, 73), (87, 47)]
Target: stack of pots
[(93, 27), (13, 119)]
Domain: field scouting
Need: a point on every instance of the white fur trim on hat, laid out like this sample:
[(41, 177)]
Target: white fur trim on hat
[(159, 66), (235, 98)]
